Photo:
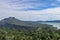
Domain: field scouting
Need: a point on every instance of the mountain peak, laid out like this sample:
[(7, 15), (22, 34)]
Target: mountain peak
[(10, 18)]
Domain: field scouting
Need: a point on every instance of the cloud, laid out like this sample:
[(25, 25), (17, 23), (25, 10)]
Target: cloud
[(30, 4), (47, 14), (21, 10)]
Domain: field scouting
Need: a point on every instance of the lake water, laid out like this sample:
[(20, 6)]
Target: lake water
[(54, 24)]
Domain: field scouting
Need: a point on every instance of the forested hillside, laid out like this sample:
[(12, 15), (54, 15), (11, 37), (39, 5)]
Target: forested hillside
[(14, 29)]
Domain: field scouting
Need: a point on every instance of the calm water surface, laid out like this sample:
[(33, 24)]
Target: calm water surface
[(54, 24)]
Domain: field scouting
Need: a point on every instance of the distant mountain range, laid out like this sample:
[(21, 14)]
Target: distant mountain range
[(52, 21), (57, 21), (12, 22)]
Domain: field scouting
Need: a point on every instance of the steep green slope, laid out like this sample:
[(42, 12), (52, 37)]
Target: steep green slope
[(14, 23), (14, 29), (13, 20)]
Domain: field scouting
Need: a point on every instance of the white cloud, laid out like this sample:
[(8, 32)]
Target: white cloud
[(7, 9), (47, 14)]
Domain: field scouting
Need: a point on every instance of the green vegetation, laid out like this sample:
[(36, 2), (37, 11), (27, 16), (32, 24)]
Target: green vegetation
[(40, 33), (13, 29)]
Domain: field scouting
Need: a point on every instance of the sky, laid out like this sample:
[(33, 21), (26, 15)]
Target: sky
[(30, 10)]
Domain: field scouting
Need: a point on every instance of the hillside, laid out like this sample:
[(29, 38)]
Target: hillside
[(12, 22), (14, 29)]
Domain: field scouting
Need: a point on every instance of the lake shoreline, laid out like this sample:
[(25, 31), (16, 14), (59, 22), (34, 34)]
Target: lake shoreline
[(54, 24)]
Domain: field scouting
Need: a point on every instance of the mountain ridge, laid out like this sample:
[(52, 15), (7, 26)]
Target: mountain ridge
[(12, 22)]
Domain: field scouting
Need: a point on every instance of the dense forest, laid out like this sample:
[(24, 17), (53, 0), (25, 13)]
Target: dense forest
[(11, 29)]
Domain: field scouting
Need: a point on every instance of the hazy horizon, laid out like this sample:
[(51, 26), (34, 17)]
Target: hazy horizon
[(30, 10)]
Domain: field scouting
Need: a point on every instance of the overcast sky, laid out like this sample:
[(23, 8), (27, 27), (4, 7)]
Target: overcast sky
[(30, 10)]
